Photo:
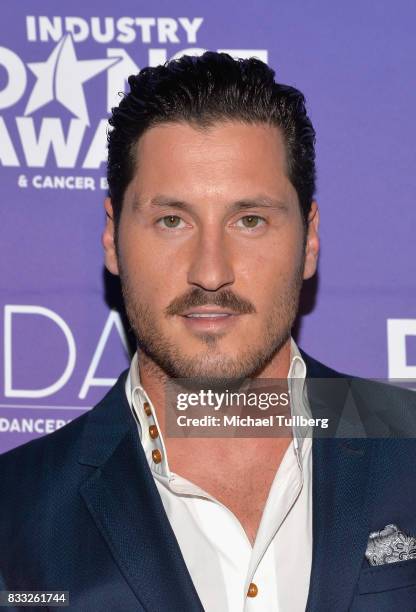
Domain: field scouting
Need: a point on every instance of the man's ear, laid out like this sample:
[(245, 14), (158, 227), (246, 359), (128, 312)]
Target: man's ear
[(108, 239), (312, 242)]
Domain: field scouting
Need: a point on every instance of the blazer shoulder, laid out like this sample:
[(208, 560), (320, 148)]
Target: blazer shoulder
[(53, 451), (316, 369), (48, 472), (387, 410), (41, 446)]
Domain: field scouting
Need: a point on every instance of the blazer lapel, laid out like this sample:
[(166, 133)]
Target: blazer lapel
[(343, 476), (124, 502), (341, 519)]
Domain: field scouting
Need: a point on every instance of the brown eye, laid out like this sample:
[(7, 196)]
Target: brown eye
[(171, 221), (251, 221)]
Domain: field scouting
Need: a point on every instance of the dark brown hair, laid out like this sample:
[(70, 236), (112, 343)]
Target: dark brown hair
[(203, 90)]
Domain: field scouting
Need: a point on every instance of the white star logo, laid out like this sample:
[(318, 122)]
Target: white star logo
[(61, 78)]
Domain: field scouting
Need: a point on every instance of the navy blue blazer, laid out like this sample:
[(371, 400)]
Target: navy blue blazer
[(79, 512)]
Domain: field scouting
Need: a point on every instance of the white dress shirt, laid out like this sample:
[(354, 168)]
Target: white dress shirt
[(219, 556)]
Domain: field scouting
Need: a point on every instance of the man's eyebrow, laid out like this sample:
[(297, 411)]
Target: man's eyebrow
[(258, 202), (161, 201)]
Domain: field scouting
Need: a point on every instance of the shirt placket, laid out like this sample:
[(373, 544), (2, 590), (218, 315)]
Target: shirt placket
[(278, 506)]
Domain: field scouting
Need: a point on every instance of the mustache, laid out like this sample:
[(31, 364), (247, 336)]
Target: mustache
[(199, 297)]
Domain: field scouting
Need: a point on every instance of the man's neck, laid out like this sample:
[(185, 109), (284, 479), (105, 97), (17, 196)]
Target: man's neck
[(241, 470)]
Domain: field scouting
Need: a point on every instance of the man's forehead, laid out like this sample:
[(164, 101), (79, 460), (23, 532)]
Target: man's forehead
[(223, 153), (222, 131), (249, 159)]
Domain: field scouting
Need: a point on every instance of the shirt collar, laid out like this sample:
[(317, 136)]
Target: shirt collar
[(145, 416)]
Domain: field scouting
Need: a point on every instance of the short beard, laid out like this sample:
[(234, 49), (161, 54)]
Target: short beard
[(210, 365)]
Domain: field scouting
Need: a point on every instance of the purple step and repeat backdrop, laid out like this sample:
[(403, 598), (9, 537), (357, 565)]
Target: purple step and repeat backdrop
[(61, 68)]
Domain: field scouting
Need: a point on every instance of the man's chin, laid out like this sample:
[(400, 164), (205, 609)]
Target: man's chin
[(213, 367), (198, 368), (207, 367), (209, 363)]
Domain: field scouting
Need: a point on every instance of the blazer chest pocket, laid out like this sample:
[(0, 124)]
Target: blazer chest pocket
[(387, 577)]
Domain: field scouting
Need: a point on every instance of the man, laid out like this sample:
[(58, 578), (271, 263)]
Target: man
[(212, 227)]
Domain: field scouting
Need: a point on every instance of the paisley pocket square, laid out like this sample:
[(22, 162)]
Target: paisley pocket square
[(389, 546)]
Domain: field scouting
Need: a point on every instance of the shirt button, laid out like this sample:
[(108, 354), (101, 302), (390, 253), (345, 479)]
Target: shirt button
[(153, 432), (252, 590), (147, 408), (156, 455)]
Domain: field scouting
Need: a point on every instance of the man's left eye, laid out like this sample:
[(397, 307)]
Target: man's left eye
[(251, 221), (170, 221)]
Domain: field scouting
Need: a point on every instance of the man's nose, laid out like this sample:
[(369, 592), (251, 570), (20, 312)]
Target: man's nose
[(211, 266)]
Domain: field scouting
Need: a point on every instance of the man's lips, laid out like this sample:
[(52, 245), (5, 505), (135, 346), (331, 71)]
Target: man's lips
[(209, 318), (208, 312), (212, 315)]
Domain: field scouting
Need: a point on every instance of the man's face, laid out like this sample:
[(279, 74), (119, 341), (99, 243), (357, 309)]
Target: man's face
[(211, 248)]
